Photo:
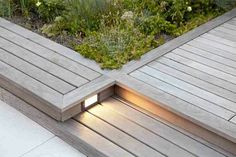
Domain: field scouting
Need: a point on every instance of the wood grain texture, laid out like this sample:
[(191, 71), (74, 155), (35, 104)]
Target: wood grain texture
[(183, 95), (210, 49), (49, 54), (149, 138), (43, 63), (36, 73), (223, 35), (201, 67), (66, 52), (180, 107), (205, 61), (210, 56), (194, 81), (147, 107), (159, 127), (116, 136), (198, 74)]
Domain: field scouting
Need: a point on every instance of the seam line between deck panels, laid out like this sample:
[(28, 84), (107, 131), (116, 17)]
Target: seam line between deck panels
[(44, 57), (39, 69), (34, 79), (104, 136), (141, 127), (205, 64), (128, 134), (209, 58), (188, 82), (164, 122), (181, 99), (206, 50), (218, 41), (51, 49), (183, 90), (232, 118), (201, 70), (193, 76), (196, 70)]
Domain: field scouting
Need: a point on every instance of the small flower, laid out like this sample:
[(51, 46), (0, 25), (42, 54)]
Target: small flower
[(127, 15), (189, 8), (38, 3)]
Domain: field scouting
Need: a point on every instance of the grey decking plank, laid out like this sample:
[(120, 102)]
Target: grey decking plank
[(36, 73), (232, 22), (49, 55), (90, 139), (229, 26), (179, 124), (194, 81), (209, 55), (223, 35), (190, 88), (179, 107), (116, 136), (66, 52), (219, 39), (198, 74), (160, 128), (212, 50), (42, 63), (205, 61), (154, 141), (183, 95), (224, 30), (218, 45), (201, 67), (30, 84), (205, 47)]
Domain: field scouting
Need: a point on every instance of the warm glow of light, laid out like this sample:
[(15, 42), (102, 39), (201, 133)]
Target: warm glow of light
[(90, 101)]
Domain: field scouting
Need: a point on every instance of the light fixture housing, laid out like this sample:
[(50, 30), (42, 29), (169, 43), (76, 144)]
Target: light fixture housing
[(90, 101)]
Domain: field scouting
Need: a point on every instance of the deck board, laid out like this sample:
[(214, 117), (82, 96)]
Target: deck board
[(36, 73), (125, 125), (198, 74), (118, 137), (51, 66), (149, 138), (159, 126), (201, 72)]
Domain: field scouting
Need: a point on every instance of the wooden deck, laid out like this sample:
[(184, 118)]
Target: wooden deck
[(116, 128), (199, 79), (140, 134), (43, 73), (185, 90)]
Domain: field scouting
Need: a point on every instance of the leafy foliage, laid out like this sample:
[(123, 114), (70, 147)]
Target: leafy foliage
[(113, 32)]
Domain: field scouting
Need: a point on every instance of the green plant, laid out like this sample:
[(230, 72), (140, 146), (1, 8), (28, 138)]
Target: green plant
[(5, 8), (49, 9)]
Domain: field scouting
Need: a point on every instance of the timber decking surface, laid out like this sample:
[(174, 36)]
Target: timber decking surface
[(200, 73), (40, 68), (139, 134), (193, 76)]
